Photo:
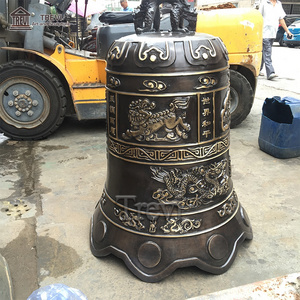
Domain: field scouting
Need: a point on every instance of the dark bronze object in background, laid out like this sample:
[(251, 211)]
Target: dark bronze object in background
[(168, 200), (148, 15)]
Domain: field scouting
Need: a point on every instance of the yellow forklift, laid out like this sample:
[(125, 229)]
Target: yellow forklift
[(43, 78)]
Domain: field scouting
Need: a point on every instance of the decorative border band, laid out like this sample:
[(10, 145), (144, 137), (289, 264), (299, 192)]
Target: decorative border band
[(171, 226), (192, 154)]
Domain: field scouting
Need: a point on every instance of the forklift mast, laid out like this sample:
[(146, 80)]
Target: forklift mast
[(32, 39)]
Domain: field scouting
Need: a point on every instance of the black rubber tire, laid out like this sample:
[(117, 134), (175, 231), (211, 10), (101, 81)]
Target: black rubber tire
[(43, 113), (241, 98), (291, 45)]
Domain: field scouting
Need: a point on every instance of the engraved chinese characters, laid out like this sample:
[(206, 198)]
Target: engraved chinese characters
[(168, 200)]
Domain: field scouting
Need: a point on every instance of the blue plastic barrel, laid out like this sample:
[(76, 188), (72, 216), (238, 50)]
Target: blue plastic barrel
[(279, 133)]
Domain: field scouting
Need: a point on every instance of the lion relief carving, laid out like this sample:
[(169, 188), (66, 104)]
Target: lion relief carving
[(165, 125)]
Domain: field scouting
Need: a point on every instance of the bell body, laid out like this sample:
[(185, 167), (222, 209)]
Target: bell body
[(168, 201)]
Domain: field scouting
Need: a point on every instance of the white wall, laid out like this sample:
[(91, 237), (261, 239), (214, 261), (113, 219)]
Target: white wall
[(115, 4)]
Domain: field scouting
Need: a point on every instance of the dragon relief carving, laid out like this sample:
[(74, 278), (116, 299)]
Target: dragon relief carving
[(191, 188), (165, 125), (229, 207), (177, 225), (129, 219), (225, 112)]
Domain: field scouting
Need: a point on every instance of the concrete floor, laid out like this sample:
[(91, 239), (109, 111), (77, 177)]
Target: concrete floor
[(49, 189)]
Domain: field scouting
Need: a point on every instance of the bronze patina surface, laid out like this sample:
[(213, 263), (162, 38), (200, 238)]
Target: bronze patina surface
[(168, 201)]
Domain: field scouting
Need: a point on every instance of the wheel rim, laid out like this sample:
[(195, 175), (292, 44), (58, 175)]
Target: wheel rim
[(24, 103), (234, 99)]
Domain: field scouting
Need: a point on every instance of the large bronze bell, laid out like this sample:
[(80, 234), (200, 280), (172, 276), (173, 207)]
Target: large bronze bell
[(168, 200)]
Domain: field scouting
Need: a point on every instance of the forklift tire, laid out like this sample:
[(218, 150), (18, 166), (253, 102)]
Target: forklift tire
[(241, 98), (32, 100)]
